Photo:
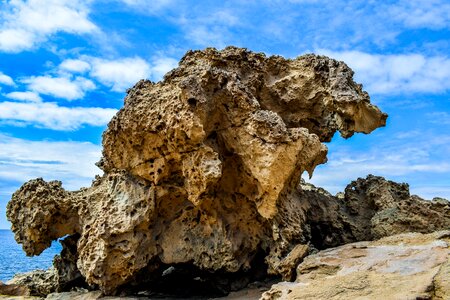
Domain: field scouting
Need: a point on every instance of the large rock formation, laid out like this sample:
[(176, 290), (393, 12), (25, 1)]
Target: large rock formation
[(201, 170), (406, 266)]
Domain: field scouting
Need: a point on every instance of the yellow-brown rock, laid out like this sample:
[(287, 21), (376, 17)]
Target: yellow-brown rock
[(201, 169)]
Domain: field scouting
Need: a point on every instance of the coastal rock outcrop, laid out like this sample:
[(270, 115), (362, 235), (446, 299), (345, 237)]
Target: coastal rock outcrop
[(405, 266), (370, 208), (201, 171)]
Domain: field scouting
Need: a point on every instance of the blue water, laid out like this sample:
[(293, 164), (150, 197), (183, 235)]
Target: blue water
[(13, 260)]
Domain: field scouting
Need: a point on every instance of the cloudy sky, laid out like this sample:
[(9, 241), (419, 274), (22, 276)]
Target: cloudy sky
[(65, 66)]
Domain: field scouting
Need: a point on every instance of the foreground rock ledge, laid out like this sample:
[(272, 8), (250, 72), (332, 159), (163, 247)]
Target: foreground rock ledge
[(406, 266), (201, 172)]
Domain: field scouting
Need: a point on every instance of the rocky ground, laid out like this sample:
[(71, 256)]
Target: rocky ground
[(201, 194), (405, 266)]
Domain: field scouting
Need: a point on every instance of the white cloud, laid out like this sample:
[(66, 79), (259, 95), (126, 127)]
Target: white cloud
[(5, 79), (205, 35), (434, 14), (397, 73), (147, 2), (27, 23), (52, 116), (431, 191), (440, 118), (413, 157), (60, 87), (296, 25), (162, 65), (16, 40), (70, 162), (120, 74), (212, 29), (24, 96), (149, 6), (75, 65)]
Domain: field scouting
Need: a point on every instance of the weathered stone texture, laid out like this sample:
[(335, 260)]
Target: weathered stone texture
[(202, 169)]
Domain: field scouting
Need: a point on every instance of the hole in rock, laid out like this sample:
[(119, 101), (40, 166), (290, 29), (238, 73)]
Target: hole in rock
[(197, 218), (324, 235), (192, 101), (160, 126), (186, 281), (212, 135), (65, 265)]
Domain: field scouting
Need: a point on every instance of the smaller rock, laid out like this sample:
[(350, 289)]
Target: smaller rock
[(80, 294), (38, 283), (286, 266), (14, 290), (442, 282), (405, 266)]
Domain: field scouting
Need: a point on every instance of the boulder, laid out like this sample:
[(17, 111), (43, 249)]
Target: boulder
[(13, 290), (36, 283)]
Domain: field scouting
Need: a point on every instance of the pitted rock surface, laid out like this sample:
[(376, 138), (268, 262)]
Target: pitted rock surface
[(370, 208), (202, 169)]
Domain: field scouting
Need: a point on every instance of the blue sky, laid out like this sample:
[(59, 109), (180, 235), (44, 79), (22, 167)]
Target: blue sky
[(65, 66)]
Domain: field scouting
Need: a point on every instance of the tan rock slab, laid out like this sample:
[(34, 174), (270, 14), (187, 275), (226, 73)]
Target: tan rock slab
[(406, 266)]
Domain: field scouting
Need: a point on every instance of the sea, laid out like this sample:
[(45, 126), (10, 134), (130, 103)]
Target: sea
[(13, 260)]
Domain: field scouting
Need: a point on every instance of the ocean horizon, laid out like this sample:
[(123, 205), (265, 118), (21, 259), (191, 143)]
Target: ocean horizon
[(13, 259)]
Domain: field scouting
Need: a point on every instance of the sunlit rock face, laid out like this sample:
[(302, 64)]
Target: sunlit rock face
[(404, 266), (202, 169)]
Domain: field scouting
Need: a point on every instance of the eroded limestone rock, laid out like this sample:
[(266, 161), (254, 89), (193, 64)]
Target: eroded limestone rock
[(41, 212), (406, 266), (395, 210), (370, 208), (36, 283), (202, 169)]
